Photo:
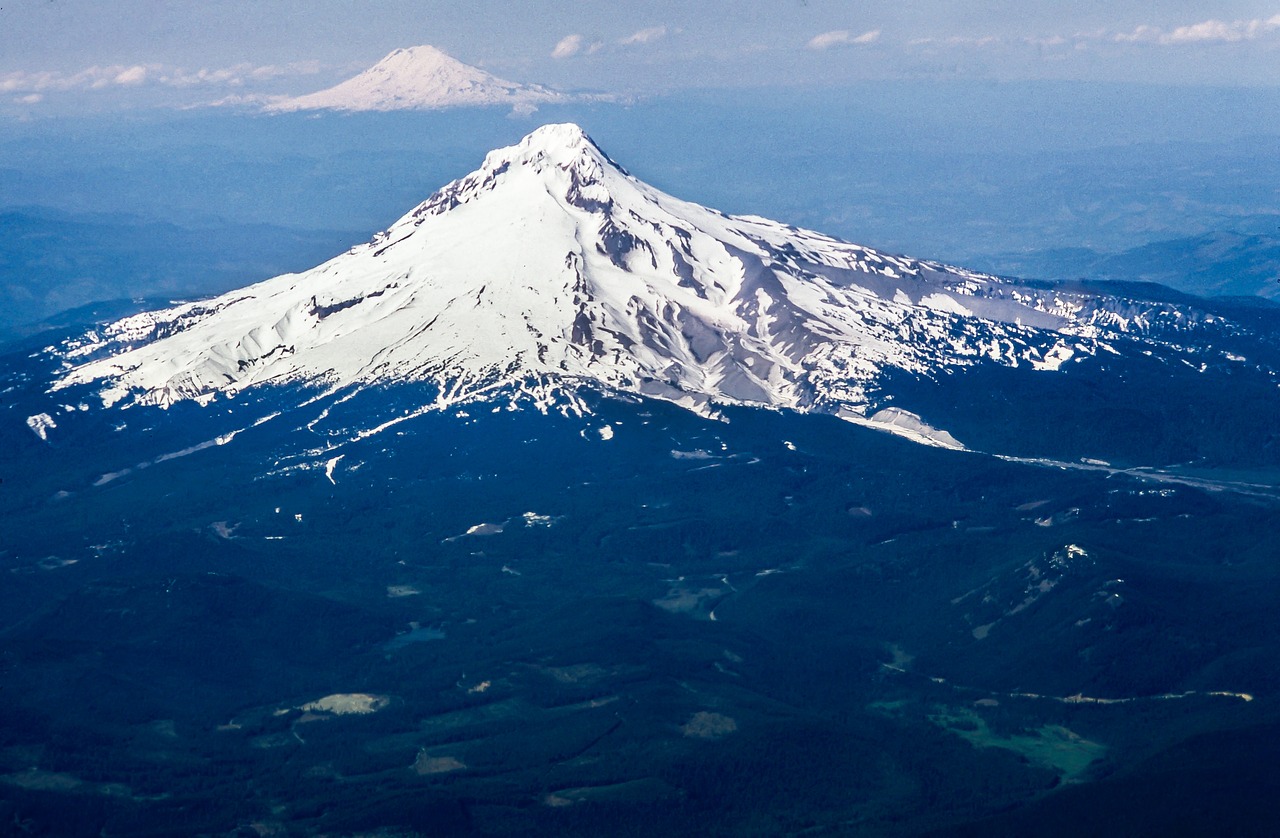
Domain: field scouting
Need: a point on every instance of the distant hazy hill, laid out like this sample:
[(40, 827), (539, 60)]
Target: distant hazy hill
[(52, 261), (1214, 264)]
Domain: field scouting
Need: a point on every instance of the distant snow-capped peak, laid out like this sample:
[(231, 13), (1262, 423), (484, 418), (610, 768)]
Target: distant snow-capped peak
[(421, 77), (551, 264)]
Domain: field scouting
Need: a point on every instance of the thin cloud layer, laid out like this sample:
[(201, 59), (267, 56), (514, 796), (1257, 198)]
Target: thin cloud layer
[(1205, 32), (645, 36), (1209, 31), (957, 41), (842, 38), (93, 78), (131, 76), (567, 47), (575, 44), (119, 75)]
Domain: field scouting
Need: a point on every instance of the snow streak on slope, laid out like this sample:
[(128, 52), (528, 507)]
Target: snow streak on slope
[(420, 77), (550, 267)]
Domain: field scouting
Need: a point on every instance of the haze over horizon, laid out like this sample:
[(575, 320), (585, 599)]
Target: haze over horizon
[(75, 53)]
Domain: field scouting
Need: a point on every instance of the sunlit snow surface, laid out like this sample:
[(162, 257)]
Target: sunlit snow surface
[(551, 267), (421, 77)]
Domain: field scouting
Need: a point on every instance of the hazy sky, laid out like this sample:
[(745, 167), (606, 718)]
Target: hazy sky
[(200, 51)]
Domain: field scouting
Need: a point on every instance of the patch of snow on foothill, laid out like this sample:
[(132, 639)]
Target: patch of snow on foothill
[(41, 424)]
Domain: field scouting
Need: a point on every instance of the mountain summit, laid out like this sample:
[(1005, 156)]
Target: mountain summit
[(420, 78), (550, 269)]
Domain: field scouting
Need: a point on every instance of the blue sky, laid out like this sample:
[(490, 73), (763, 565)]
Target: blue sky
[(188, 52)]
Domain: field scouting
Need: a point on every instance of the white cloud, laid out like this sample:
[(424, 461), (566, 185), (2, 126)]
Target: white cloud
[(131, 75), (10, 82), (235, 76), (567, 47), (956, 41), (29, 99), (1143, 34), (225, 76), (43, 82), (294, 68), (1046, 41), (1216, 30), (238, 100), (522, 110), (1205, 32), (645, 36), (1209, 31), (842, 38), (120, 75)]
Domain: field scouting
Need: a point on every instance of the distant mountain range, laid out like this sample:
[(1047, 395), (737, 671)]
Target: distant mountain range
[(424, 78)]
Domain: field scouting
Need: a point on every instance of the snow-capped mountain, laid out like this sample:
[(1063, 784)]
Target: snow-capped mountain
[(311, 537), (420, 78), (551, 268)]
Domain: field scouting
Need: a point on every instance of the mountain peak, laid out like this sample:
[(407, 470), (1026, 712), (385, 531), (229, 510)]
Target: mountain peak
[(560, 144), (420, 77), (550, 264), (427, 62), (420, 54), (556, 135), (559, 157)]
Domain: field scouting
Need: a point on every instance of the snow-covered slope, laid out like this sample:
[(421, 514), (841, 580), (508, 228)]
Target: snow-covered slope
[(550, 267), (420, 77)]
